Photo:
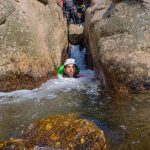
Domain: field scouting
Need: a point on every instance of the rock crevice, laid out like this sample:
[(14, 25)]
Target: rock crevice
[(45, 2)]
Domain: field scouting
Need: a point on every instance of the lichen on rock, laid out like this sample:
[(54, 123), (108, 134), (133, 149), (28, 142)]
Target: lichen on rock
[(61, 132)]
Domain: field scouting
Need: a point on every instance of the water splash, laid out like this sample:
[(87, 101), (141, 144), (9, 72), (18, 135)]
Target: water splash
[(51, 88), (78, 53)]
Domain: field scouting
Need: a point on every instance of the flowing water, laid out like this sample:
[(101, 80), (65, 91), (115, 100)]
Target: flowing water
[(125, 121)]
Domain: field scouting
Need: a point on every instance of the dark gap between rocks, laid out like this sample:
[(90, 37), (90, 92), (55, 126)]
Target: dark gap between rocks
[(3, 22), (45, 2)]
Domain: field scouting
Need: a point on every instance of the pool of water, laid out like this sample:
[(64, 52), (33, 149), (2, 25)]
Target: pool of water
[(57, 96), (125, 120)]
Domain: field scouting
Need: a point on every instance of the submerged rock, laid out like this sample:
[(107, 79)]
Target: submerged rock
[(61, 132), (76, 36), (13, 144), (33, 37), (118, 35)]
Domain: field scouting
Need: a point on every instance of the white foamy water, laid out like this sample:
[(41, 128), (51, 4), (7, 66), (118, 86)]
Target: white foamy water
[(51, 88), (78, 54)]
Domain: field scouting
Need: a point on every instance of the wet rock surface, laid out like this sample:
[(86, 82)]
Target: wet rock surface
[(60, 132), (76, 36), (118, 35), (33, 36)]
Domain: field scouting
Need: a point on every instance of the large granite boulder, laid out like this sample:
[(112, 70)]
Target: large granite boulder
[(33, 36), (76, 35), (60, 132), (118, 38)]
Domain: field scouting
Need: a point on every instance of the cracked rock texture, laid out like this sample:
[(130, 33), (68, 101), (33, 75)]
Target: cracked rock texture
[(33, 36), (118, 38)]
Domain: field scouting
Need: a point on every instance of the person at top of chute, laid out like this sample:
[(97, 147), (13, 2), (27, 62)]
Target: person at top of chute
[(80, 11), (70, 10), (69, 69)]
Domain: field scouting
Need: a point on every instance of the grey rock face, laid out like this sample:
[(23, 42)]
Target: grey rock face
[(118, 36), (32, 39)]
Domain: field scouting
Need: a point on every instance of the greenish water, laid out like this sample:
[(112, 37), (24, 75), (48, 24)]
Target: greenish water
[(125, 121)]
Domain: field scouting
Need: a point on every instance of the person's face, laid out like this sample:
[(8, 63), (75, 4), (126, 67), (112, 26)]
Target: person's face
[(70, 70)]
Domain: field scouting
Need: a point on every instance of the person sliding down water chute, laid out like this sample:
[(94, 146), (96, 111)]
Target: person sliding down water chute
[(69, 69)]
